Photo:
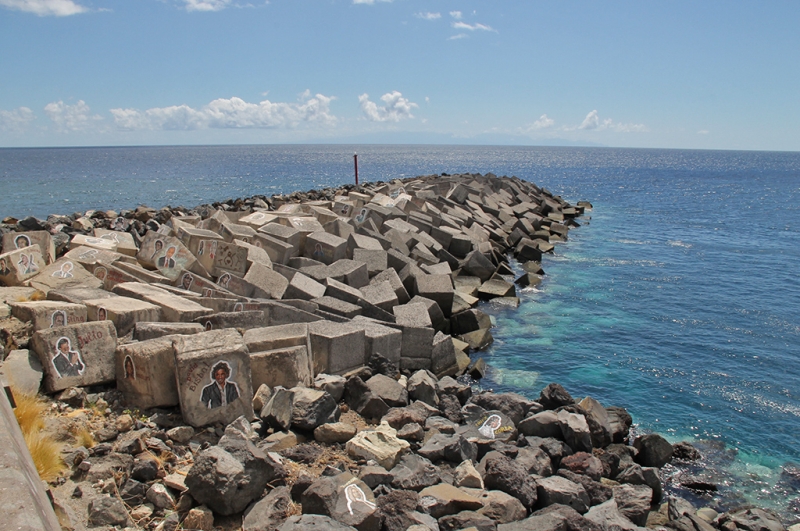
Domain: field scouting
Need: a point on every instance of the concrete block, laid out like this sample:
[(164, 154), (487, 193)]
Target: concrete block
[(168, 255), (443, 356), (496, 287), (82, 240), (48, 314), (137, 271), (442, 268), (234, 231), (337, 307), (143, 331), (124, 240), (88, 255), (381, 339), (123, 312), (381, 295), (19, 265), (390, 275), (240, 320), (352, 272), (341, 291), (213, 376), (76, 355), (255, 255), (196, 239), (377, 260), (145, 373), (336, 348), (256, 220), (527, 250), (110, 275), (20, 240), (476, 264), (280, 314), (174, 309), (64, 273), (266, 279), (23, 371), (460, 245), (286, 366), (438, 288), (437, 318), (230, 257), (279, 252), (276, 337), (325, 247), (304, 288)]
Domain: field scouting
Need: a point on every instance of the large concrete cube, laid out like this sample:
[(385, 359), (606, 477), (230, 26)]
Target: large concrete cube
[(174, 309), (76, 355), (438, 288), (48, 314), (336, 348), (20, 240), (265, 278), (19, 265), (146, 373), (325, 247), (287, 367), (64, 273), (124, 312), (213, 377), (380, 339)]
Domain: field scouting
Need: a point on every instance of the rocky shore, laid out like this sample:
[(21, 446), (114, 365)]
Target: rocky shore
[(303, 362)]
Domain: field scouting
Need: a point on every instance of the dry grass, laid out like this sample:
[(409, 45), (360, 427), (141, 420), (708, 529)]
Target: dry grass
[(44, 450), (84, 437), (37, 295)]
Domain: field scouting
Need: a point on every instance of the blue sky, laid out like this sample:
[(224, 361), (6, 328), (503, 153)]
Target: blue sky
[(676, 74)]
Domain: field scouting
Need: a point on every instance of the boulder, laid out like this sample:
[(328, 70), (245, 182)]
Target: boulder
[(422, 386), (344, 498), (443, 499), (453, 448), (414, 472), (751, 520), (633, 502), (554, 396), (575, 431), (583, 463), (313, 522), (557, 489), (334, 432), (312, 408), (607, 515), (515, 406), (501, 473), (654, 450), (542, 424), (389, 390), (380, 444)]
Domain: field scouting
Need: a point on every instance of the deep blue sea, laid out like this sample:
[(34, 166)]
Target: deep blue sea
[(678, 298)]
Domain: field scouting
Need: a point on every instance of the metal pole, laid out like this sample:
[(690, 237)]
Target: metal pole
[(355, 162)]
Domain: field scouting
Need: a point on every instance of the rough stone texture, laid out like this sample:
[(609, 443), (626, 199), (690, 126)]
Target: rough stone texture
[(633, 502), (422, 386), (466, 475), (607, 515), (501, 507), (542, 424), (554, 396), (313, 522), (583, 463), (344, 498), (287, 367), (334, 432), (229, 476), (557, 489), (535, 461), (501, 473), (108, 511), (48, 314), (751, 520), (443, 499), (380, 444), (143, 331), (124, 312), (268, 513), (653, 449), (598, 420), (195, 358), (312, 408), (175, 309), (575, 431), (200, 518), (414, 472), (23, 370), (453, 448), (515, 406), (389, 390)]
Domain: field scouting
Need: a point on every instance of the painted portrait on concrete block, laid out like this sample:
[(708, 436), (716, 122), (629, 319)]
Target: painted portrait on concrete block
[(222, 390)]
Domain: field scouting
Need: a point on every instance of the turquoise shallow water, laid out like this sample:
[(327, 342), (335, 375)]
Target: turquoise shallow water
[(678, 299)]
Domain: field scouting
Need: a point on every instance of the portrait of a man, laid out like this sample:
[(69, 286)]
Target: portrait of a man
[(67, 362), (4, 270), (65, 271), (22, 241), (59, 318), (158, 245), (167, 260), (221, 391)]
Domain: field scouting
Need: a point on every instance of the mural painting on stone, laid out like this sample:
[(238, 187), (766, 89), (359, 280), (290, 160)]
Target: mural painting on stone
[(102, 314), (66, 361), (59, 318), (130, 368), (4, 270), (22, 241), (238, 307), (26, 264), (168, 260), (224, 280), (158, 245), (353, 493), (186, 281), (101, 273), (490, 426), (65, 271), (222, 390)]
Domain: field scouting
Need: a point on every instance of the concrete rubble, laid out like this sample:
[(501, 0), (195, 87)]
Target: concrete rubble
[(301, 361)]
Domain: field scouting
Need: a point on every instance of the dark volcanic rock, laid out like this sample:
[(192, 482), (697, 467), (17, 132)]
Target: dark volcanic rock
[(653, 449), (501, 473), (554, 396)]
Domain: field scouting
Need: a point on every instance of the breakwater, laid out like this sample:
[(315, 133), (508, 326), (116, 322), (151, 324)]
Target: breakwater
[(332, 350)]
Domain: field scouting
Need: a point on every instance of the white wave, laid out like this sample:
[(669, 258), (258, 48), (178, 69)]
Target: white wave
[(678, 243)]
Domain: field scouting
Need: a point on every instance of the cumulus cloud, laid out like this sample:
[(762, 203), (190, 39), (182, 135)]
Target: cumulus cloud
[(592, 122), (472, 27), (68, 118), (456, 15), (45, 8), (207, 5), (396, 107), (428, 15), (232, 113), (16, 120), (543, 122)]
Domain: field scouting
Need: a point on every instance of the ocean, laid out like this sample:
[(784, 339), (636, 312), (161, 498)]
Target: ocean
[(678, 297)]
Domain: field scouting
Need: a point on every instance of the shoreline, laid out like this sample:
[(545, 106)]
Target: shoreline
[(98, 220)]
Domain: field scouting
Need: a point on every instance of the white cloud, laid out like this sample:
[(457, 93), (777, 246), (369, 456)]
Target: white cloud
[(232, 113), (456, 15), (428, 15), (397, 107), (457, 36), (207, 5), (44, 8), (472, 27), (69, 118), (543, 122), (703, 132), (369, 2), (16, 120), (592, 122)]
